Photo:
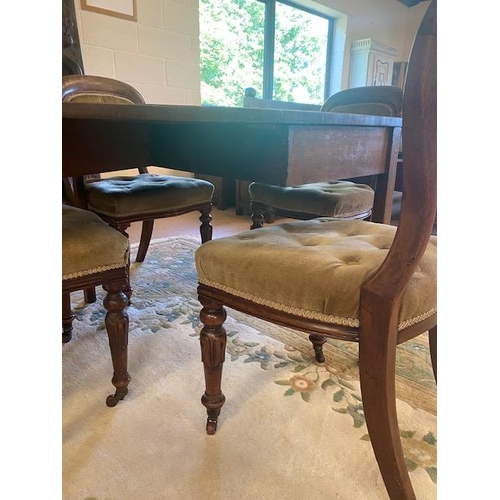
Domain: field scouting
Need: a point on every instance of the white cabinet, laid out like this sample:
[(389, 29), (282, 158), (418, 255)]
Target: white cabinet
[(371, 63)]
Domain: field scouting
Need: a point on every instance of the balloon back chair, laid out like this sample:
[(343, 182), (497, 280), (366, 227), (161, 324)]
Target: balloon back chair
[(342, 199), (121, 200), (354, 280), (93, 253)]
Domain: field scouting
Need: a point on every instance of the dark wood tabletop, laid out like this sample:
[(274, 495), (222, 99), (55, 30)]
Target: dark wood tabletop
[(284, 147)]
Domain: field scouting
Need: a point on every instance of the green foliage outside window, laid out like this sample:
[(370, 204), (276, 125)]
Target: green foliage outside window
[(232, 52)]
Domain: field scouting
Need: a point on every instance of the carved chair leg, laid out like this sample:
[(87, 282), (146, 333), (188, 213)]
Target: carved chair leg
[(206, 228), (122, 226), (433, 350), (317, 342), (146, 233), (257, 210), (117, 324), (213, 349), (67, 318), (377, 377)]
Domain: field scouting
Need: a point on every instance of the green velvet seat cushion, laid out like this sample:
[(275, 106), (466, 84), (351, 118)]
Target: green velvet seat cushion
[(89, 245), (146, 193), (313, 269), (327, 199)]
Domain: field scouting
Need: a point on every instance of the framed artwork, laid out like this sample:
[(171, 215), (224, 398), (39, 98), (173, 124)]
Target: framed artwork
[(124, 9)]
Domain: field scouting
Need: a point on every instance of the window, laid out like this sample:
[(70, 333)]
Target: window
[(280, 49)]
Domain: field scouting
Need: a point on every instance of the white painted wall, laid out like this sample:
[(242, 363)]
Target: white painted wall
[(158, 55)]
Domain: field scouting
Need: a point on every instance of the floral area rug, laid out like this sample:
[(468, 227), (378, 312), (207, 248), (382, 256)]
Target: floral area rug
[(290, 428)]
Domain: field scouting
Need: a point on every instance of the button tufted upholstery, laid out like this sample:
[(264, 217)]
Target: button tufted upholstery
[(341, 199), (323, 263), (350, 280), (129, 196)]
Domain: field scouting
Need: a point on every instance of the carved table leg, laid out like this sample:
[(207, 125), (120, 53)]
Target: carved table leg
[(213, 349), (317, 342), (206, 228), (117, 328)]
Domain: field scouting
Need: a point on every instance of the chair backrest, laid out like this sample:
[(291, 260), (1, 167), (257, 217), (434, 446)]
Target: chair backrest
[(418, 210), (98, 89), (95, 89), (381, 100), (250, 101)]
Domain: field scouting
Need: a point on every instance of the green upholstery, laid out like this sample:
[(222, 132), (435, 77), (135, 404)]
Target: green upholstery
[(365, 108), (314, 269), (329, 199), (94, 97), (146, 194), (89, 245)]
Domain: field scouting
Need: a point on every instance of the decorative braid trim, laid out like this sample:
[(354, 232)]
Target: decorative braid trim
[(95, 270), (304, 313), (417, 319)]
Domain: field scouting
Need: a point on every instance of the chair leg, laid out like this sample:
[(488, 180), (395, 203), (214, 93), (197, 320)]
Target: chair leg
[(89, 295), (377, 377), (206, 228), (317, 342), (257, 210), (213, 349), (67, 318), (117, 324), (433, 350), (146, 233), (121, 226)]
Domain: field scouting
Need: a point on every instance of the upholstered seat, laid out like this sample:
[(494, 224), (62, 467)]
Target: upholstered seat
[(93, 253), (323, 262), (132, 196), (352, 280), (340, 199)]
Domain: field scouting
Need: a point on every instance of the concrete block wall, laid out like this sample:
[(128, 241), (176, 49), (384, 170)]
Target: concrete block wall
[(159, 54)]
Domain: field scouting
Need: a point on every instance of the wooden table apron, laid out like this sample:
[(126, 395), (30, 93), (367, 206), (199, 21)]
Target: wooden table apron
[(283, 147)]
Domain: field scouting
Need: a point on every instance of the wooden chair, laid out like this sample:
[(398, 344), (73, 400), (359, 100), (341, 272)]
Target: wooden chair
[(357, 281), (93, 253), (345, 199), (144, 197)]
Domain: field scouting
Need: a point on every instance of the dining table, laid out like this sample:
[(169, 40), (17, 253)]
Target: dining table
[(275, 146)]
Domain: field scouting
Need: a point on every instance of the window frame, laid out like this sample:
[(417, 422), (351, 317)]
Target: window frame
[(269, 41)]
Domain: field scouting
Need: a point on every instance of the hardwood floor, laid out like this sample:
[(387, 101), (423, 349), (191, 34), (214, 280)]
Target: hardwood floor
[(224, 222)]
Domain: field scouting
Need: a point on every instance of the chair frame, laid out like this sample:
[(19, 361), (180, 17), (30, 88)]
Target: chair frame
[(381, 295), (114, 281), (72, 86)]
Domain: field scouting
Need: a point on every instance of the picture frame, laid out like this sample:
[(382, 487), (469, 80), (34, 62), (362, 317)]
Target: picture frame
[(123, 9)]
